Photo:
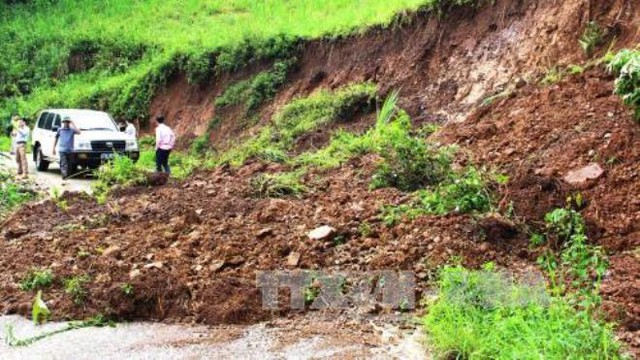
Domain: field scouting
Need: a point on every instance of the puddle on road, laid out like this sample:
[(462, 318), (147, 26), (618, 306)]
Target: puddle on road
[(281, 339)]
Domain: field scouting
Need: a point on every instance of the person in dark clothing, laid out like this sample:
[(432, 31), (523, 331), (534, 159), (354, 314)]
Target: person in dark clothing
[(165, 141), (64, 141)]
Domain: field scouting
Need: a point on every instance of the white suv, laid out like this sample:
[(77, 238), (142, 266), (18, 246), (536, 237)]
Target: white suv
[(99, 139)]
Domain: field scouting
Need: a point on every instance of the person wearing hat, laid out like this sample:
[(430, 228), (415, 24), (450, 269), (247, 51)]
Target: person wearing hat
[(64, 141), (21, 137)]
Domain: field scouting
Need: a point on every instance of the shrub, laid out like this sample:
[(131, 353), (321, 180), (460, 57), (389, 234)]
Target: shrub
[(462, 193), (626, 65), (487, 315), (591, 38), (277, 185), (74, 286), (36, 279), (411, 164)]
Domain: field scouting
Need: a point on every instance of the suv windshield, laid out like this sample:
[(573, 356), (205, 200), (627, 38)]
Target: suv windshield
[(88, 121)]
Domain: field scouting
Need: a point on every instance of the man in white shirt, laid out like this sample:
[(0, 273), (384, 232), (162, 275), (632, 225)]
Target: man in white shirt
[(21, 139), (165, 141), (131, 130)]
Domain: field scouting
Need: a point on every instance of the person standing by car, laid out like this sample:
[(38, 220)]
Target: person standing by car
[(165, 140), (131, 130), (21, 138), (64, 140), (15, 122)]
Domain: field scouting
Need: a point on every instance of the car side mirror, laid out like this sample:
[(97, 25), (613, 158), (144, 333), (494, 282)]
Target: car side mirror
[(55, 129)]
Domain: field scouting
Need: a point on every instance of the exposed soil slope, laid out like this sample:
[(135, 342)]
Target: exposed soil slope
[(444, 67)]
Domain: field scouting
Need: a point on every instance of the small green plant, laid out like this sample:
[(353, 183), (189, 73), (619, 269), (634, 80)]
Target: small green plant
[(37, 279), (39, 311), (96, 321), (13, 193), (75, 286), (591, 38), (575, 69), (579, 267), (553, 76), (365, 229), (278, 185), (127, 289)]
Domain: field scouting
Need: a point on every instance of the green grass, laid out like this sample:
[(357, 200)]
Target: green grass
[(5, 144), (132, 46), (36, 279), (13, 193), (487, 315)]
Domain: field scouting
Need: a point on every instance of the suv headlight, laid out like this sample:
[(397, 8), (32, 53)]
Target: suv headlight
[(83, 145), (132, 145)]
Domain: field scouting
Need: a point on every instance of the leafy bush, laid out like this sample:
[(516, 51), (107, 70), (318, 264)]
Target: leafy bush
[(36, 279), (626, 65), (579, 266), (591, 38), (278, 185), (410, 165), (74, 286), (462, 193), (488, 315)]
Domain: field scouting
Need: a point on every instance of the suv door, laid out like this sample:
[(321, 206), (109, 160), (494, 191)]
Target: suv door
[(48, 136), (38, 130)]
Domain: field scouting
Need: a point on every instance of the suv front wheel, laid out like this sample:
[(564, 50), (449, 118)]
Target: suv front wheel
[(41, 163)]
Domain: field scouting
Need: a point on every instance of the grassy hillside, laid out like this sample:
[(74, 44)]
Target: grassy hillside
[(114, 54)]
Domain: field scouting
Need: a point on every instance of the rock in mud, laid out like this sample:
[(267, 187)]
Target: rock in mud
[(157, 178), (321, 233), (580, 176), (113, 251), (293, 259), (16, 232), (216, 265), (236, 260)]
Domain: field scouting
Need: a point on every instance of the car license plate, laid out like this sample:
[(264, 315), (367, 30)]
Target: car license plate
[(104, 157)]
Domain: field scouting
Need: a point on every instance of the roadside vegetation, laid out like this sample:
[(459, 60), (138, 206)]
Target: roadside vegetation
[(491, 314), (13, 193)]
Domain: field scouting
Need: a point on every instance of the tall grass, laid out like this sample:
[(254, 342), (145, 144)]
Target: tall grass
[(126, 41)]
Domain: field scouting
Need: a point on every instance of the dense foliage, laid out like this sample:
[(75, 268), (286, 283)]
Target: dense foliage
[(626, 64)]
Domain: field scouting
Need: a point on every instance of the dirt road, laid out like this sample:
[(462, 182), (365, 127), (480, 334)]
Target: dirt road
[(303, 338), (51, 178)]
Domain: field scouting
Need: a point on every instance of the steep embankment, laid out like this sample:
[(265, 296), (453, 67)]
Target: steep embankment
[(190, 250), (444, 66)]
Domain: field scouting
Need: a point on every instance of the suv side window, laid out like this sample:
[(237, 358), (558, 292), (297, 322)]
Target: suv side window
[(49, 122), (57, 122), (42, 120)]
